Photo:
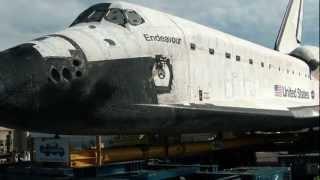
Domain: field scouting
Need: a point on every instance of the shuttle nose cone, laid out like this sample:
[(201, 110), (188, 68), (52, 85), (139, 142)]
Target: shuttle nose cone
[(18, 72), (29, 90)]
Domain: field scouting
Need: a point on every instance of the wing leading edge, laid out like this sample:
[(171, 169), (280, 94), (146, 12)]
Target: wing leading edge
[(150, 118)]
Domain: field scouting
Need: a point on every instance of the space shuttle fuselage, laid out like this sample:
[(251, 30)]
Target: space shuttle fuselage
[(123, 68)]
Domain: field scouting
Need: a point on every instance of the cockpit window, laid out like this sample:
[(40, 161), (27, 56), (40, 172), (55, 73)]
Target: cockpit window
[(134, 18), (93, 14), (116, 16), (96, 16), (121, 17)]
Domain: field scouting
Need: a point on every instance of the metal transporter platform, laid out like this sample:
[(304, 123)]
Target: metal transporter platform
[(144, 170), (274, 157)]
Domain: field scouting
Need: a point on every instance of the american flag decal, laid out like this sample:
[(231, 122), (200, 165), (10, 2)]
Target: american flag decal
[(278, 90)]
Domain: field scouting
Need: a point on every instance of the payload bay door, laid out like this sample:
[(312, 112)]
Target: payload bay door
[(199, 68)]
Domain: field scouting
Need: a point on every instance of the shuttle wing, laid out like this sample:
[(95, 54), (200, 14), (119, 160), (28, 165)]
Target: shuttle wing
[(179, 118), (305, 112), (294, 112)]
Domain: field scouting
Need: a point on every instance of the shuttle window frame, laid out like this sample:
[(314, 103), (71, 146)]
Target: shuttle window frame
[(133, 18), (96, 16), (112, 17), (92, 14)]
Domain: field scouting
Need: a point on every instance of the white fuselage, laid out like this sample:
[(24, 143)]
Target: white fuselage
[(209, 67)]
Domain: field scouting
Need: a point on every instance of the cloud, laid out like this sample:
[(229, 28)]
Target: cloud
[(23, 20), (257, 21)]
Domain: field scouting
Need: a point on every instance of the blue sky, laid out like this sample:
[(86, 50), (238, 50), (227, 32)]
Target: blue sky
[(255, 20)]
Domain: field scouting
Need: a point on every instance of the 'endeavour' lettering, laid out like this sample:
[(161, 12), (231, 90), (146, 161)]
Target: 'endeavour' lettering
[(160, 38)]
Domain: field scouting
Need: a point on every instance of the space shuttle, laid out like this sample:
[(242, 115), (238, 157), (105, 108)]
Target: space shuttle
[(121, 68)]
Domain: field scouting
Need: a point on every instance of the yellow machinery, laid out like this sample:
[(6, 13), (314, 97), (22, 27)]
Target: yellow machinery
[(99, 156)]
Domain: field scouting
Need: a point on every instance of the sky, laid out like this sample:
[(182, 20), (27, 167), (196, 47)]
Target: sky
[(255, 20)]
